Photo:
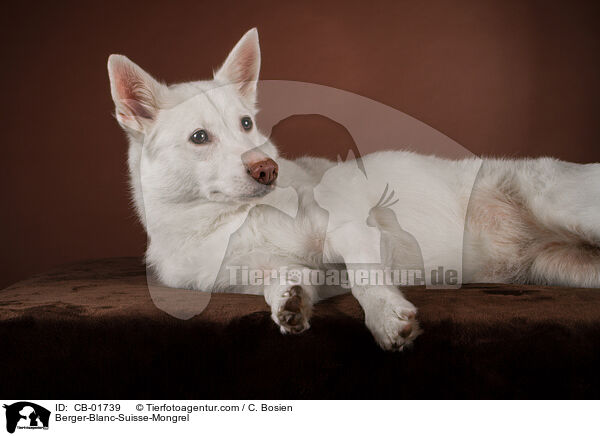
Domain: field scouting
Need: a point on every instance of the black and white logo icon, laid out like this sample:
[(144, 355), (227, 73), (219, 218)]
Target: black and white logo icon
[(26, 415)]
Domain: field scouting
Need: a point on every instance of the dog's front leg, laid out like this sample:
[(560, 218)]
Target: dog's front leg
[(291, 298), (390, 317)]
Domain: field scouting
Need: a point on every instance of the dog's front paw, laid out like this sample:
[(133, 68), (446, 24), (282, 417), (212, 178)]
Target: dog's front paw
[(292, 311), (393, 323)]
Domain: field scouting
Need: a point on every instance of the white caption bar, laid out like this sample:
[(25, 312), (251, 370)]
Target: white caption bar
[(159, 417)]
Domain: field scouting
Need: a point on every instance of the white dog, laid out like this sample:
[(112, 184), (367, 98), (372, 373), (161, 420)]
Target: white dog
[(207, 187)]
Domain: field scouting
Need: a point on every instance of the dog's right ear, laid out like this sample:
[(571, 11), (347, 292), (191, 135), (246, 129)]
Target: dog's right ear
[(135, 93)]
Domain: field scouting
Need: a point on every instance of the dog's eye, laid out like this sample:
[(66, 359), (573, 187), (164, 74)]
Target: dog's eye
[(199, 137), (247, 123)]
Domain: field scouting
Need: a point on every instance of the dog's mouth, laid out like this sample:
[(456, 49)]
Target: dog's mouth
[(217, 195), (259, 193)]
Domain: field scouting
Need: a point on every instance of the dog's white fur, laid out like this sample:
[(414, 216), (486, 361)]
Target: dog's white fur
[(519, 221)]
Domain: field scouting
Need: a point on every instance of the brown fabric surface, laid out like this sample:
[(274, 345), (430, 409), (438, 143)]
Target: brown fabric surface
[(91, 330)]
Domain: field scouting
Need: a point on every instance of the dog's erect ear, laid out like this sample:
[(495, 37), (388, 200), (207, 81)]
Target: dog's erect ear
[(242, 66), (135, 93)]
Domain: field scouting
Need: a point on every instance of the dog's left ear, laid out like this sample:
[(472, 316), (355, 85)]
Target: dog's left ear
[(243, 66)]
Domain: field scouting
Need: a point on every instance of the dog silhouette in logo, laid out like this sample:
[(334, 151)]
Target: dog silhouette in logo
[(25, 414), (399, 249)]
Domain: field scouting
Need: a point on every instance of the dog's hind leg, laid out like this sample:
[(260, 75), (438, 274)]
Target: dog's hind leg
[(571, 264), (569, 247)]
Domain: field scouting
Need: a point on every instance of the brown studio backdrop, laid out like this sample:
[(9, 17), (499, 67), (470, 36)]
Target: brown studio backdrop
[(516, 78)]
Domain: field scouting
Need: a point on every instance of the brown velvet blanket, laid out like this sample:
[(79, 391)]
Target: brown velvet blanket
[(91, 330)]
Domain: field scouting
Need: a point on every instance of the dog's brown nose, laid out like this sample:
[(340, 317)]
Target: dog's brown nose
[(264, 171)]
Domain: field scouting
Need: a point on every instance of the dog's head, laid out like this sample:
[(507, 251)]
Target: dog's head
[(196, 140)]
